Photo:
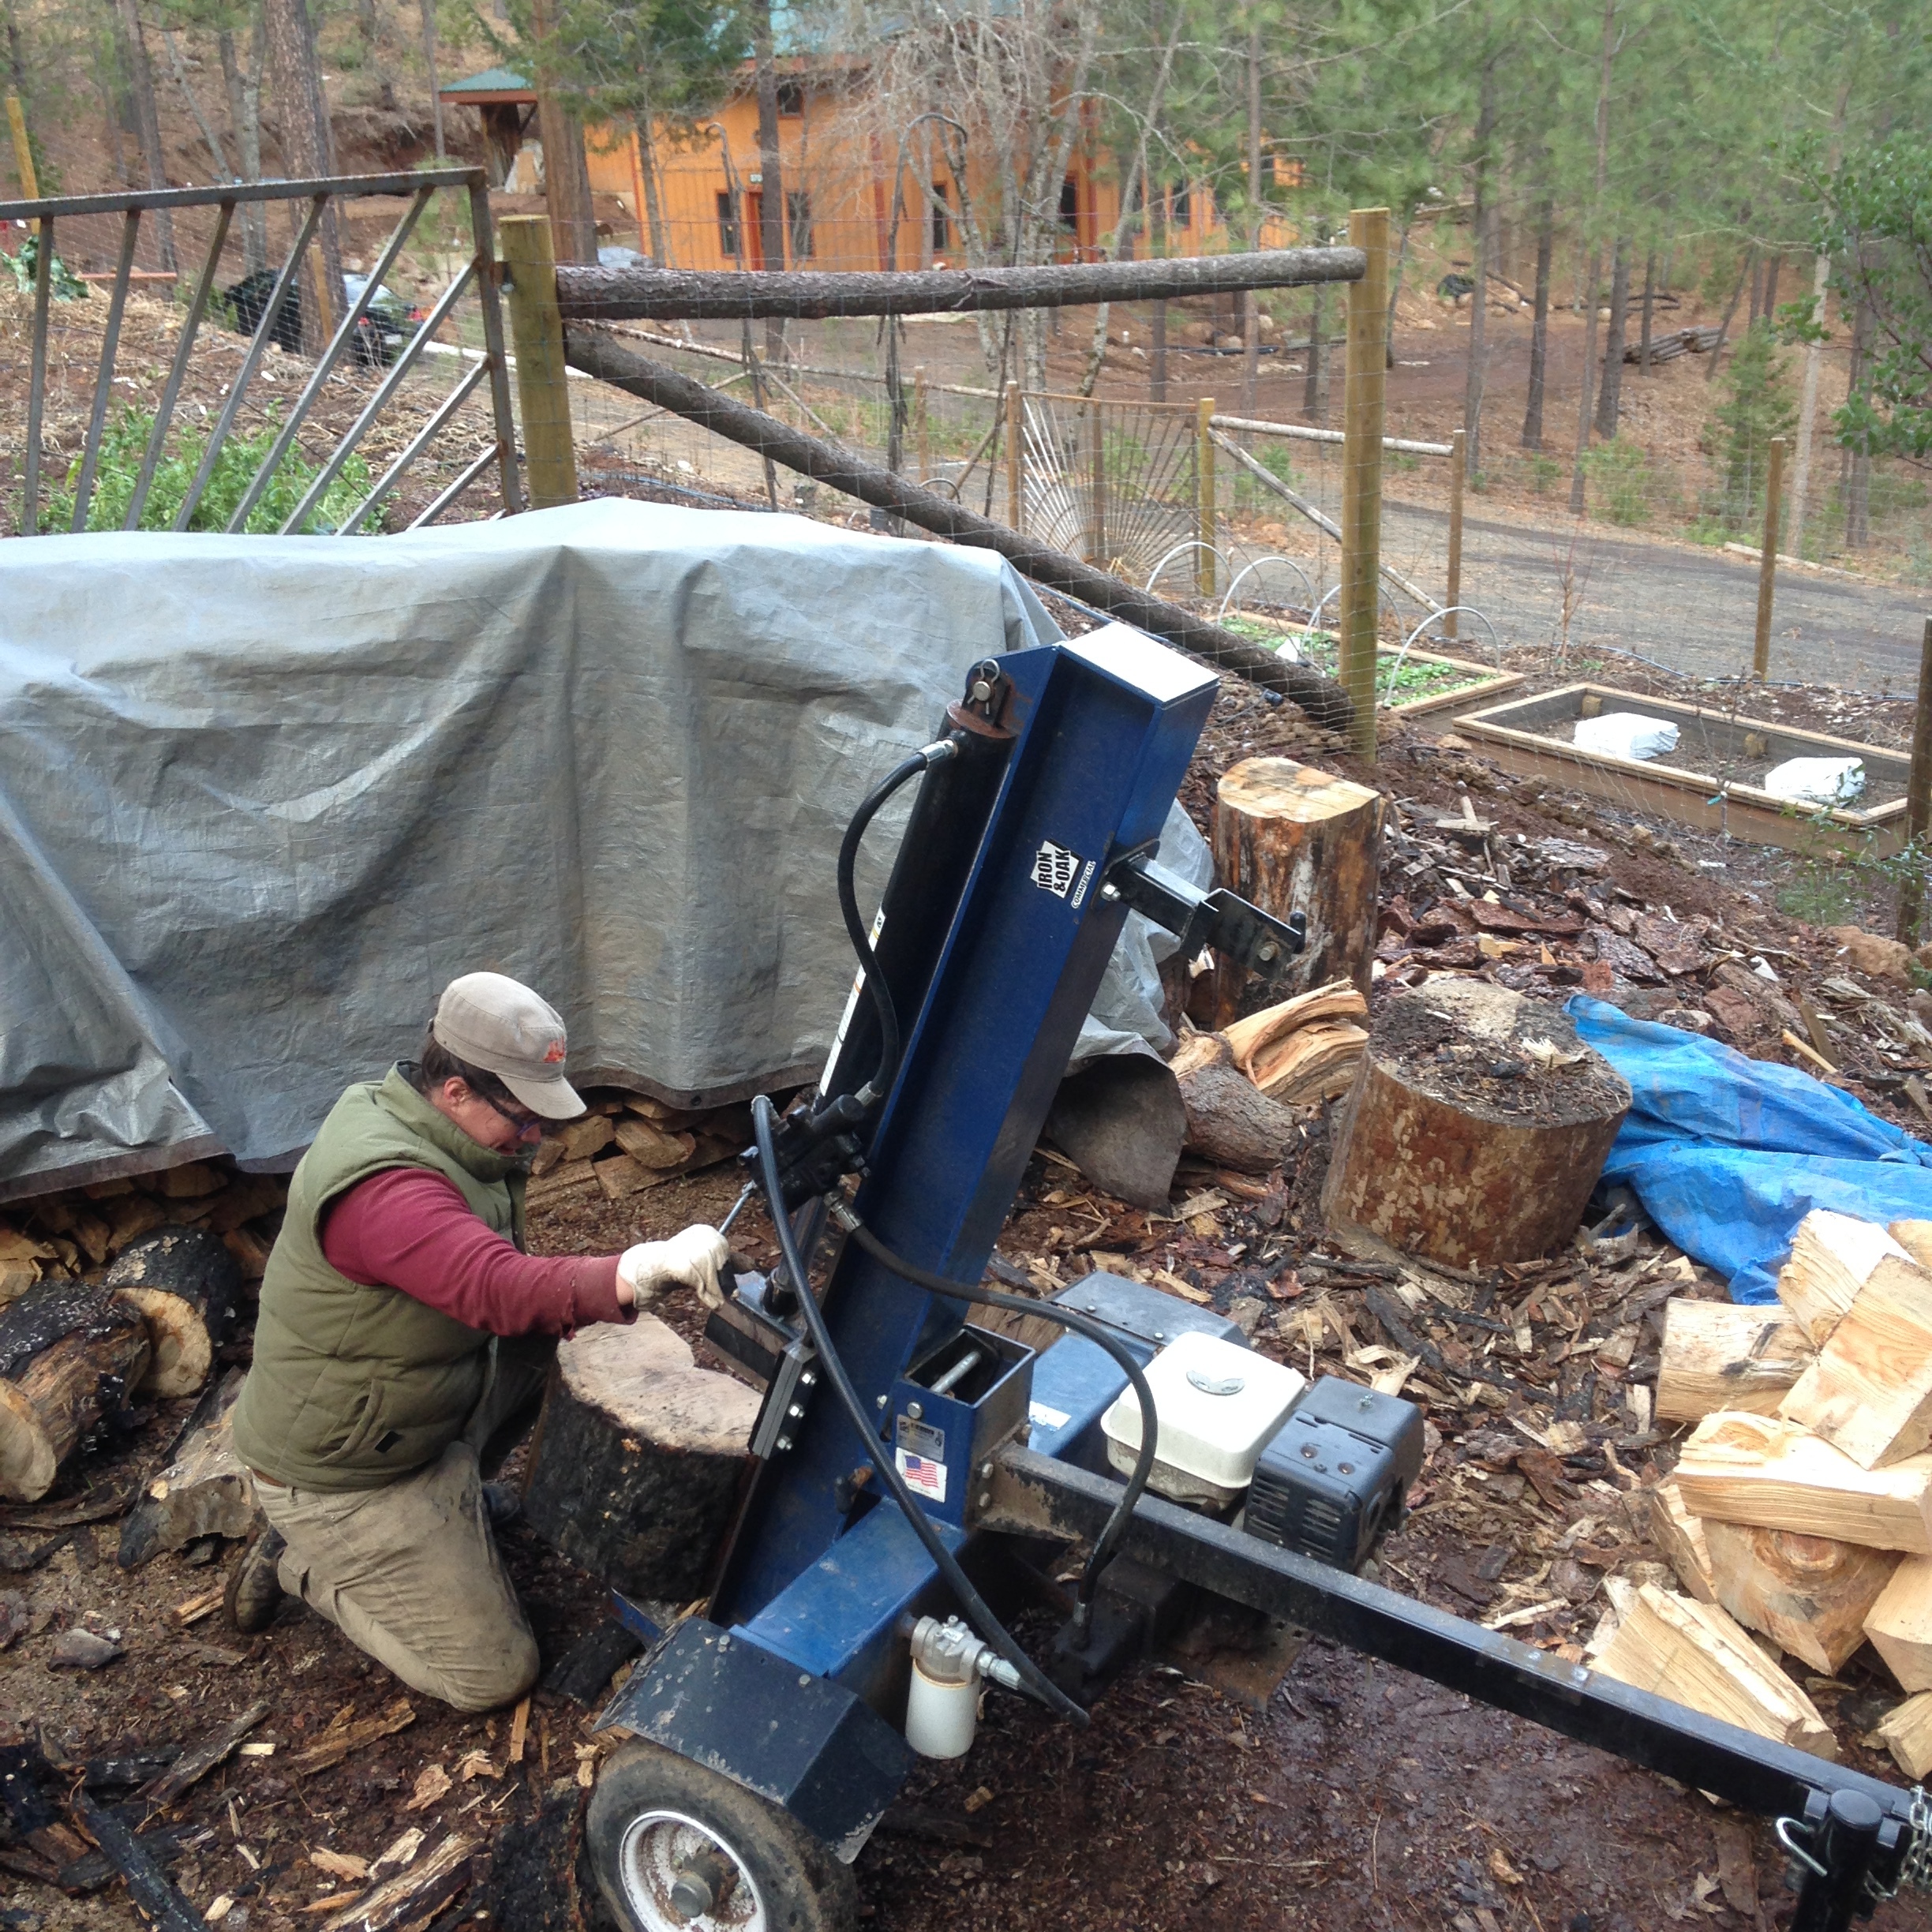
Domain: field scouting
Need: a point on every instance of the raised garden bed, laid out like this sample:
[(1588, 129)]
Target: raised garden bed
[(1427, 681), (1712, 780)]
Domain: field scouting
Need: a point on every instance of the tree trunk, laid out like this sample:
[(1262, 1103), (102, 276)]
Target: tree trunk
[(1539, 327), (1251, 312), (1441, 1161), (653, 210), (1649, 303), (1771, 282), (772, 223), (1858, 474), (566, 175), (244, 93), (1396, 283), (1609, 395), (1292, 839), (1477, 370), (637, 1459), (1730, 315), (146, 123), (70, 1355), (307, 150), (427, 9), (1590, 370)]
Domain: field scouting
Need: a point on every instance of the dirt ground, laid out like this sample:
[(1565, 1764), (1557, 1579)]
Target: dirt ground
[(1358, 1795)]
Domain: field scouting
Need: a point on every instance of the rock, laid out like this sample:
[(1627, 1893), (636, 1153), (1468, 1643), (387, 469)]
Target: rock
[(81, 1649), (1869, 953)]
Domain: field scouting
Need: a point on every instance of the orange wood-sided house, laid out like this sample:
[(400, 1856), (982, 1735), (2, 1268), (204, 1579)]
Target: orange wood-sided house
[(838, 169)]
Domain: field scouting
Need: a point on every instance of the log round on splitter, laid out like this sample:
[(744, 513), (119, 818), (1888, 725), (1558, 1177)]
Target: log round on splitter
[(1476, 1128)]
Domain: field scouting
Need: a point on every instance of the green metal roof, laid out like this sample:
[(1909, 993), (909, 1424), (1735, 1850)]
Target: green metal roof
[(491, 80)]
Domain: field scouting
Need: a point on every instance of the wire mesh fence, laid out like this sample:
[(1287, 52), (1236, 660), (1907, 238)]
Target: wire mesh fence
[(319, 356)]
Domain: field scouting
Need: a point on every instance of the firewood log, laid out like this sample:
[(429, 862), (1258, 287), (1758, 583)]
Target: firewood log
[(1831, 1258), (1694, 1654), (1681, 1537), (1870, 1391), (1339, 1000), (1916, 1238), (206, 1490), (1810, 1595), (69, 1354), (1231, 1122), (1726, 1355), (1900, 1624), (637, 1459), (1906, 1733), (1476, 1128), (1293, 839), (187, 1285), (1761, 1470)]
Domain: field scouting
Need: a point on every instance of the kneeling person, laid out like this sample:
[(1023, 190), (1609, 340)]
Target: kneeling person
[(402, 1344)]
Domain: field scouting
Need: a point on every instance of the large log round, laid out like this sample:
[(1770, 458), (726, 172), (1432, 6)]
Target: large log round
[(1293, 839), (1476, 1128), (187, 1285), (69, 1355), (638, 1458)]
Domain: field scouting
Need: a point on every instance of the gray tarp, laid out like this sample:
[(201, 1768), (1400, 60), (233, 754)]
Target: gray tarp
[(261, 797)]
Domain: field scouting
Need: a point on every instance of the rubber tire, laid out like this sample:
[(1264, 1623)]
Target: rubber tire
[(805, 1888)]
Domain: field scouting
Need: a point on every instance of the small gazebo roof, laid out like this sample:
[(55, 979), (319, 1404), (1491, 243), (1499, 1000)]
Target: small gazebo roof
[(493, 87)]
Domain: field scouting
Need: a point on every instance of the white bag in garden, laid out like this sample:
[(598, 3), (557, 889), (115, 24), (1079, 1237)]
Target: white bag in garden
[(1817, 781), (1626, 734)]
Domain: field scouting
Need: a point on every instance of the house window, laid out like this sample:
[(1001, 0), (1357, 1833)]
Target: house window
[(729, 238), (942, 219), (1180, 206), (1289, 172), (792, 99), (1069, 205), (799, 220)]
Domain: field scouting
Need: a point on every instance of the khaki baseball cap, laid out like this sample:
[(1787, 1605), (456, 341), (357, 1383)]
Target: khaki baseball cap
[(498, 1023)]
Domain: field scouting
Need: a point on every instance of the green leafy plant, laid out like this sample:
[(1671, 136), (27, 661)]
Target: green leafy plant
[(63, 284), (1620, 481), (124, 443), (1757, 406)]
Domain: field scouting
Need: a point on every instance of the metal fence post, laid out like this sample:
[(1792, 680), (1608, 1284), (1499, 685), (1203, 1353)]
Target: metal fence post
[(1452, 589), (1767, 562), (1015, 456), (537, 330), (1362, 481), (1204, 496), (1917, 802)]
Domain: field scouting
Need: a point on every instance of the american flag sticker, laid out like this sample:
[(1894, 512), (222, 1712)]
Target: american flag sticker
[(924, 1476)]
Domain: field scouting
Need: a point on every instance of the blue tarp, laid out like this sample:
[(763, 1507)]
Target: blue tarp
[(1728, 1154)]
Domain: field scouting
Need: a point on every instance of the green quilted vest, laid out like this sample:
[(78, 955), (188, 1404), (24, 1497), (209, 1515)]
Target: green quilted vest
[(354, 1386)]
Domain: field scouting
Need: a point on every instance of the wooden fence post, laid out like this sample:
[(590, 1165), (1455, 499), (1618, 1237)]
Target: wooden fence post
[(1452, 589), (1361, 481), (1767, 562), (1204, 496), (1015, 457), (1918, 801), (536, 331)]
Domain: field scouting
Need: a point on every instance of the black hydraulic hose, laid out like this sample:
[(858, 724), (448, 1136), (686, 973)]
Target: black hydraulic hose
[(989, 1626), (880, 1084), (1109, 1538)]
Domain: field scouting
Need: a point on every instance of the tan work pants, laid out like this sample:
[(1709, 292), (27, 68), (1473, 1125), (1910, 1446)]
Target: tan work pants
[(410, 1572)]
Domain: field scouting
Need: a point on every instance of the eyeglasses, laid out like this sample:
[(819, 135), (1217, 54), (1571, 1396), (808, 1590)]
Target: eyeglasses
[(524, 1124)]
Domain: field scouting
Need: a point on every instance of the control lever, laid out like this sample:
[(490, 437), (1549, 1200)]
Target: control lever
[(1235, 929)]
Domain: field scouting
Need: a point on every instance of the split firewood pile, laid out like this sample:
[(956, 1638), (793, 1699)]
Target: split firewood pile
[(630, 1142)]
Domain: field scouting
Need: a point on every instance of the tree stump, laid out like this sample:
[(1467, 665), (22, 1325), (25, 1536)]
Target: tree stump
[(187, 1285), (69, 1354), (638, 1453), (1476, 1128), (1293, 839)]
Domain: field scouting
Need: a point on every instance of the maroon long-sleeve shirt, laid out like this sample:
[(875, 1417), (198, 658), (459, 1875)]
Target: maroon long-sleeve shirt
[(410, 1229)]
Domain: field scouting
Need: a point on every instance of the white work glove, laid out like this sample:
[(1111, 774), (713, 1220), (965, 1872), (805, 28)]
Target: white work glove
[(693, 1257)]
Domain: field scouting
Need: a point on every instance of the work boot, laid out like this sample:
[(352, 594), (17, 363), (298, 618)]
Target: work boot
[(254, 1593), (501, 1504)]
